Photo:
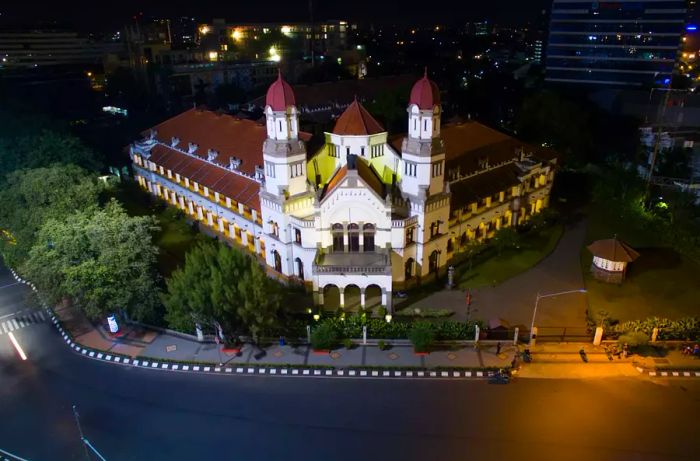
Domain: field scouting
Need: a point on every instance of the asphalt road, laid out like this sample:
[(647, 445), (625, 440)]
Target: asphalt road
[(136, 414)]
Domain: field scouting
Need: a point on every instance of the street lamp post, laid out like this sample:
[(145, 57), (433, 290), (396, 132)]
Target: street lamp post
[(537, 302)]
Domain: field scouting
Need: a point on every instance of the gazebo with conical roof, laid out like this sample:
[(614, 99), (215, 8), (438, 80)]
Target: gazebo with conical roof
[(610, 259)]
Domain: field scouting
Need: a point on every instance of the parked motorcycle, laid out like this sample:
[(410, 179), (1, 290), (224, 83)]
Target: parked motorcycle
[(500, 377)]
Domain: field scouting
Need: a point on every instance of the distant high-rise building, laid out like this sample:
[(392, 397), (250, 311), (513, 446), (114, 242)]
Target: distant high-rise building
[(31, 48), (616, 43)]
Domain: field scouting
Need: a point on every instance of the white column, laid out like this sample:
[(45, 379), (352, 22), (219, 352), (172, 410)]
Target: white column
[(173, 197), (221, 225), (342, 297), (231, 232), (383, 297), (182, 202), (244, 237), (320, 296), (362, 298), (240, 208), (210, 218), (190, 206), (200, 214), (257, 245), (166, 195), (150, 186)]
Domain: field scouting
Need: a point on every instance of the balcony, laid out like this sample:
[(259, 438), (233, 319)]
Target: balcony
[(369, 263)]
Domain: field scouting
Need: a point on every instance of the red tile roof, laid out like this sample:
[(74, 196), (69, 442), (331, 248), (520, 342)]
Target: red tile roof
[(425, 93), (218, 179), (280, 95), (364, 171), (229, 136), (613, 250), (356, 121)]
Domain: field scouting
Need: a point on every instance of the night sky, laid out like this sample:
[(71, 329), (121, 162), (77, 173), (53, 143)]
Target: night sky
[(98, 14)]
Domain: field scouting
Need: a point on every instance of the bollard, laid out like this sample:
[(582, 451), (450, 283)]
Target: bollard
[(364, 335), (515, 336), (654, 335), (308, 334), (598, 336), (476, 334)]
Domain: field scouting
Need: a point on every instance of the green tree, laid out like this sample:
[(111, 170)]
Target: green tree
[(221, 284), (548, 118), (102, 259), (31, 197), (422, 336), (505, 238)]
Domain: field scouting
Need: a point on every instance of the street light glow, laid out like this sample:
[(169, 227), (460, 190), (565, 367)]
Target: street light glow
[(22, 355)]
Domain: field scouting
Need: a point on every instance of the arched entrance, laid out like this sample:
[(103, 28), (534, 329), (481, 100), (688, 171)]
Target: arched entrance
[(299, 268), (433, 261), (278, 260), (352, 298), (331, 297), (373, 297)]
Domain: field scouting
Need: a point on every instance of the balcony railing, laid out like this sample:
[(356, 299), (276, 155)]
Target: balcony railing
[(375, 263)]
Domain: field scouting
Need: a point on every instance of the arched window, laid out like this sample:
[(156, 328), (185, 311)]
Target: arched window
[(337, 231), (368, 237), (353, 237), (408, 268), (433, 261), (278, 261), (300, 268)]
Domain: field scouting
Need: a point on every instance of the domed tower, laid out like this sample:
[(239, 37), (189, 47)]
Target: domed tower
[(283, 152), (423, 154), (424, 109)]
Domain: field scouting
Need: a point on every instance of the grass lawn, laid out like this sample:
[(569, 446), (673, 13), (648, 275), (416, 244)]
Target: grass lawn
[(175, 236), (660, 283), (490, 268)]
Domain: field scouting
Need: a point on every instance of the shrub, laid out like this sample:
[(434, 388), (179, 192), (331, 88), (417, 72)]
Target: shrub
[(347, 342), (634, 339), (325, 336), (422, 336), (381, 345), (424, 313), (381, 312)]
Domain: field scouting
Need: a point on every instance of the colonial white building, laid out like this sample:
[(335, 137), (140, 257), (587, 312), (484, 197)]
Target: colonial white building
[(363, 215)]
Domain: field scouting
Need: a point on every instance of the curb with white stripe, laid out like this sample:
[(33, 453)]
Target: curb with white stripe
[(252, 370)]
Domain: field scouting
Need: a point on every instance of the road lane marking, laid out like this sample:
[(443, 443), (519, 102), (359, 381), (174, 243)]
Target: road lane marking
[(14, 324), (9, 285), (41, 315), (22, 355), (21, 323), (4, 327)]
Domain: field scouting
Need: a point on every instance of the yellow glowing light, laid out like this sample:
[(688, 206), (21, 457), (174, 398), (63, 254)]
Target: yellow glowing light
[(237, 34), (286, 30), (204, 30), (274, 54), (213, 55), (316, 317)]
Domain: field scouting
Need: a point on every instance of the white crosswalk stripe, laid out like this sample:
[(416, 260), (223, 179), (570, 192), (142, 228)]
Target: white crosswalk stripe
[(21, 320)]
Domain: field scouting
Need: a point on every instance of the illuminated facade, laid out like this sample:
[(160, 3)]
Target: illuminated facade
[(620, 43), (365, 214)]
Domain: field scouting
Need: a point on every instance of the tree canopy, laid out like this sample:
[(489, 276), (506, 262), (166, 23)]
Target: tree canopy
[(33, 141), (31, 197), (221, 284), (102, 259)]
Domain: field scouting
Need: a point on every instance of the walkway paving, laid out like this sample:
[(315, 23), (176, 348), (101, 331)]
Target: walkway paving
[(513, 301)]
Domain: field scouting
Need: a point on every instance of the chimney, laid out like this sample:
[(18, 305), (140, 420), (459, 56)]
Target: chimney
[(211, 155), (234, 163)]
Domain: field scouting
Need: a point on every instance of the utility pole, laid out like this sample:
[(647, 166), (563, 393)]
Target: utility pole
[(85, 442), (80, 431), (659, 115), (313, 33)]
